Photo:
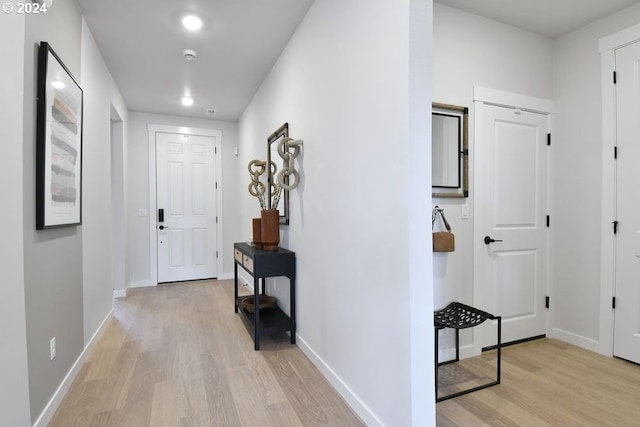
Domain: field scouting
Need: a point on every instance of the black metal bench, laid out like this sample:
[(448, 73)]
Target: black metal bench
[(460, 316)]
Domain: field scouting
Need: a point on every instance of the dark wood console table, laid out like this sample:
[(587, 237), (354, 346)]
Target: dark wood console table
[(262, 264)]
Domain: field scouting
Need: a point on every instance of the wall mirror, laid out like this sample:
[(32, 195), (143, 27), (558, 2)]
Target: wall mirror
[(277, 163), (449, 150)]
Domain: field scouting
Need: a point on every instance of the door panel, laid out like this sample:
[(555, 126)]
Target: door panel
[(511, 206), (185, 166), (516, 174), (515, 267), (627, 257)]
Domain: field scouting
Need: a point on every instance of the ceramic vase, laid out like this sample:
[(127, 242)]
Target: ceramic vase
[(270, 226), (257, 232)]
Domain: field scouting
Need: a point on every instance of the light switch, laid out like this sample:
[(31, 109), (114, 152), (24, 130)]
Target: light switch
[(465, 211)]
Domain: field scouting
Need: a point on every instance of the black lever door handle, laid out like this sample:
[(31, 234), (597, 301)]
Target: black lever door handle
[(488, 240), (162, 227)]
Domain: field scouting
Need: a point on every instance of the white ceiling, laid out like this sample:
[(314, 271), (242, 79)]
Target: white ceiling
[(142, 43), (551, 18)]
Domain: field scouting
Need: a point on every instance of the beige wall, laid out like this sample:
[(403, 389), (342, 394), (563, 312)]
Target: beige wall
[(52, 258)]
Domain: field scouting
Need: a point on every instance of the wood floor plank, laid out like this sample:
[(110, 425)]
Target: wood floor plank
[(221, 405), (178, 355), (304, 403), (167, 406), (551, 383)]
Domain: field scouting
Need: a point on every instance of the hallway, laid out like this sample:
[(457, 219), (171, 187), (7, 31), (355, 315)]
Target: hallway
[(178, 355)]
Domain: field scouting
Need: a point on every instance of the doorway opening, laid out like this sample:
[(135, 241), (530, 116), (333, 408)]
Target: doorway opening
[(119, 265), (185, 182)]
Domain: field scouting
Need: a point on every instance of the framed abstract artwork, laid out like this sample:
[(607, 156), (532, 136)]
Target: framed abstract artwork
[(58, 143)]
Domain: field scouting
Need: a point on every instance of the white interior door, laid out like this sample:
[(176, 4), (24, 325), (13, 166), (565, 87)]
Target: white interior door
[(511, 206), (627, 258), (186, 193)]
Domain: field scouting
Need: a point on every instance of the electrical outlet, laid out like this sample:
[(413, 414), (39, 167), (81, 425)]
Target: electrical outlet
[(52, 348)]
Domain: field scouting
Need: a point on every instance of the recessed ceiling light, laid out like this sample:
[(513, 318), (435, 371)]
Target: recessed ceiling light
[(57, 84), (192, 22), (187, 101)]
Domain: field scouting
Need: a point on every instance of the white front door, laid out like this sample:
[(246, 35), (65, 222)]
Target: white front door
[(186, 202), (511, 233), (627, 259)]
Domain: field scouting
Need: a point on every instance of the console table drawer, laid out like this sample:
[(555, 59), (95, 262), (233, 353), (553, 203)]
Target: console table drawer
[(248, 263), (238, 256)]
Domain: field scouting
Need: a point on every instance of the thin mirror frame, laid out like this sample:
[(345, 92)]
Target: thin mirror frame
[(464, 153), (281, 132)]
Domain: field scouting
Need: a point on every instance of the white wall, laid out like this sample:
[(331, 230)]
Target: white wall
[(578, 183), (14, 387), (100, 93), (471, 50), (137, 170), (468, 51), (342, 84)]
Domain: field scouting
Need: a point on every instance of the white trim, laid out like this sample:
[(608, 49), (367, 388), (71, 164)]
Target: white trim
[(513, 100), (120, 293), (363, 411), (225, 276), (551, 252), (245, 278), (466, 352), (619, 39), (608, 203), (53, 404), (142, 284), (608, 45), (153, 238), (571, 338), (532, 104)]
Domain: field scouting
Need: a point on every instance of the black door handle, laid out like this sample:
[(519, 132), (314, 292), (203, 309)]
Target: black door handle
[(488, 240), (162, 227)]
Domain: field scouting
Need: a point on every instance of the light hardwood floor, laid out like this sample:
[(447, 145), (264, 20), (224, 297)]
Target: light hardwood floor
[(547, 383), (177, 355)]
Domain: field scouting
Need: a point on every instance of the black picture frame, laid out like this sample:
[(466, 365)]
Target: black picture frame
[(58, 143)]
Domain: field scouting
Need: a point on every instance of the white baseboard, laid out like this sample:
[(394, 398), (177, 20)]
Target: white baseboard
[(225, 276), (245, 278), (46, 415), (141, 284), (354, 401), (580, 341), (120, 293)]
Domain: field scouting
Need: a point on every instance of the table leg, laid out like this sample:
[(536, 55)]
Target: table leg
[(292, 306), (235, 285), (435, 346), (256, 313)]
